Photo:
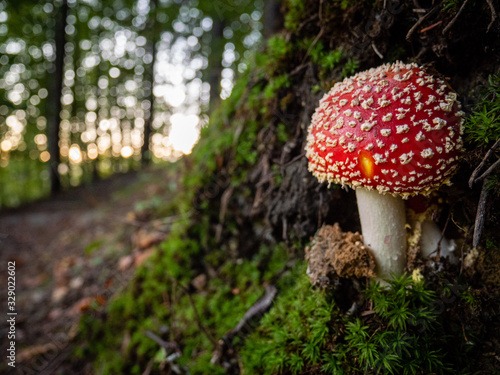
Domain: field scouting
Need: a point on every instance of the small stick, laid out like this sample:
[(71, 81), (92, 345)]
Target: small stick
[(377, 51), (452, 22), (489, 170), (480, 215), (481, 165), (164, 344), (430, 27), (421, 21), (493, 15), (196, 315)]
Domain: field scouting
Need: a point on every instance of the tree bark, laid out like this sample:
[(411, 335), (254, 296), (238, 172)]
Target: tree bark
[(146, 154), (215, 61), (273, 18), (54, 100)]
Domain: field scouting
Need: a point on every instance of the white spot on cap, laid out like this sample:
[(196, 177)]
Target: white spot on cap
[(402, 129), (406, 158), (385, 132), (440, 123), (427, 153), (387, 117), (379, 158), (367, 126)]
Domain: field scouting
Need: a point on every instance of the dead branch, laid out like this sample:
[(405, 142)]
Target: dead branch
[(489, 170), (256, 312), (164, 344), (452, 22), (421, 21), (473, 177), (493, 15), (195, 310), (480, 215)]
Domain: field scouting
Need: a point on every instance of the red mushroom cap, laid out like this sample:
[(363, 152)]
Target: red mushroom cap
[(395, 128)]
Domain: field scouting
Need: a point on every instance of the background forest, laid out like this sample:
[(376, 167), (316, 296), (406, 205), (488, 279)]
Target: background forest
[(97, 87), (196, 264)]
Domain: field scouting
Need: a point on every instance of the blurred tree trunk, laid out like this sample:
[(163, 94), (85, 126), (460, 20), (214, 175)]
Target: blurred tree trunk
[(215, 61), (54, 99), (273, 18), (146, 154)]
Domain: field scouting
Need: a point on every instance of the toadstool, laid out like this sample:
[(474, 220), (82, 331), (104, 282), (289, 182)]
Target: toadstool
[(389, 133)]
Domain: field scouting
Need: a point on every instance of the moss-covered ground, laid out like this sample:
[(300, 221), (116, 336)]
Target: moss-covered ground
[(248, 206)]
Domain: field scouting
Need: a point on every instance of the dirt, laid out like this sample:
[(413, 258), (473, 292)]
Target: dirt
[(72, 252), (336, 253)]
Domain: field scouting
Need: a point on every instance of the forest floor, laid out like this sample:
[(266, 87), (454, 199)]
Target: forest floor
[(72, 252)]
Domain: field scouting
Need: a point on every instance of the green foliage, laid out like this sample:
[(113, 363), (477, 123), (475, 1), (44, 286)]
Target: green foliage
[(306, 330), (483, 126), (294, 14), (402, 339), (324, 58), (158, 297), (276, 84), (350, 67), (296, 332), (452, 5), (277, 49)]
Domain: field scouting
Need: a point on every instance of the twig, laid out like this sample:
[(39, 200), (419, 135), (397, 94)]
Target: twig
[(425, 29), (493, 15), (315, 15), (489, 170), (320, 34), (442, 234), (481, 214), (421, 21), (375, 49), (257, 310), (295, 159), (473, 177), (164, 344), (196, 315), (452, 22)]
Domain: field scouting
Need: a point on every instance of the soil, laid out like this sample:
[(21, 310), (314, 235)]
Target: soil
[(72, 252), (336, 253)]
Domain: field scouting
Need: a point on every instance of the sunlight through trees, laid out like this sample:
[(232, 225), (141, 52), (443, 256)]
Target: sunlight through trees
[(89, 88)]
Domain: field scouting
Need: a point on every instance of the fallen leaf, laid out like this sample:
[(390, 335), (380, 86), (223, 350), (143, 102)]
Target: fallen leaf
[(59, 293), (145, 239), (81, 306), (141, 257), (125, 262)]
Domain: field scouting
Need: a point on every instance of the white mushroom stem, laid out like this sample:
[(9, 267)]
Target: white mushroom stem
[(383, 221)]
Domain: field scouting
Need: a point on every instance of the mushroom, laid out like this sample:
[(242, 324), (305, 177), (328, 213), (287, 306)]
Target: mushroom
[(389, 133)]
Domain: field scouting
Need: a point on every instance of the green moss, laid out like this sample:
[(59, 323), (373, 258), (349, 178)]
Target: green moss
[(483, 127), (350, 67), (306, 331)]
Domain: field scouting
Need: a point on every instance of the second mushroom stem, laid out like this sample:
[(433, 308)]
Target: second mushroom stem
[(383, 221)]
